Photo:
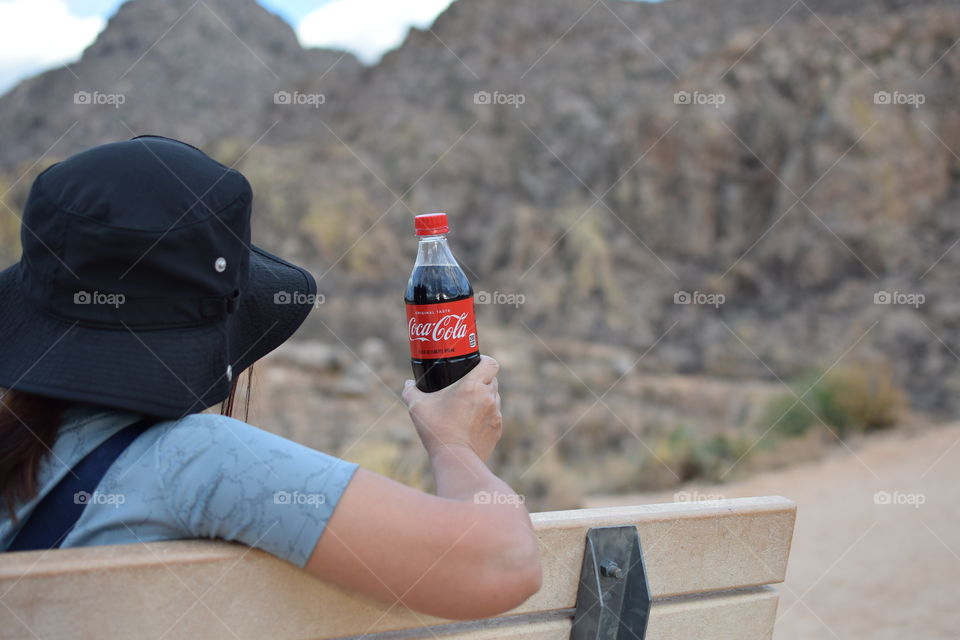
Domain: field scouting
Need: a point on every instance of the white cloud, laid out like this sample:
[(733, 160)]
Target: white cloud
[(38, 34), (367, 28)]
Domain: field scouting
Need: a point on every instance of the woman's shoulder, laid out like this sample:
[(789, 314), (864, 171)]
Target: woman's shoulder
[(198, 436), (204, 425), (202, 431), (88, 420)]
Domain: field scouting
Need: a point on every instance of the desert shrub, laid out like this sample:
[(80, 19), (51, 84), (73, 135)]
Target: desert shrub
[(860, 399), (849, 399), (680, 452), (786, 416), (693, 457), (720, 451)]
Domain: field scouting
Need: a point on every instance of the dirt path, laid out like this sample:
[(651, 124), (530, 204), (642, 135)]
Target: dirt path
[(860, 568)]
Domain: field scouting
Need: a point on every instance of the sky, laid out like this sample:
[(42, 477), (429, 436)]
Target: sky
[(36, 35)]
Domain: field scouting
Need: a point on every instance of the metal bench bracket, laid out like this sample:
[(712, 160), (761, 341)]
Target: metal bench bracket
[(613, 602)]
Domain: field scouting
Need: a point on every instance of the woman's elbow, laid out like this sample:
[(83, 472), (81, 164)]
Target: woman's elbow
[(523, 583), (511, 575), (526, 575)]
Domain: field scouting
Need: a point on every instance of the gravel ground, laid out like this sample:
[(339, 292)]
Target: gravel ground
[(876, 551)]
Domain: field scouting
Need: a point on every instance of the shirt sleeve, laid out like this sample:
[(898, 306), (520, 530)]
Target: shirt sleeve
[(223, 478)]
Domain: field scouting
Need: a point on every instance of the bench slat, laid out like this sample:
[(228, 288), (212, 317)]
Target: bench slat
[(214, 589), (547, 630), (746, 614), (688, 547)]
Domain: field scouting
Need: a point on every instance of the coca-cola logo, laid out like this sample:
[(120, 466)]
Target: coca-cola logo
[(449, 327)]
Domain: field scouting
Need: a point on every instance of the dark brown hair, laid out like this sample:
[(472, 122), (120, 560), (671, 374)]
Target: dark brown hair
[(28, 430)]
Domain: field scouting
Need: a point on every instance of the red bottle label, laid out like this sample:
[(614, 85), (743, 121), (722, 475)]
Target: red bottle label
[(442, 329)]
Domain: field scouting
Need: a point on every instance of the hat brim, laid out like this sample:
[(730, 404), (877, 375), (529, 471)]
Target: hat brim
[(166, 373)]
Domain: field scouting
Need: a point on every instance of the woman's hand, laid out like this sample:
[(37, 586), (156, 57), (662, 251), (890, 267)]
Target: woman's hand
[(465, 414)]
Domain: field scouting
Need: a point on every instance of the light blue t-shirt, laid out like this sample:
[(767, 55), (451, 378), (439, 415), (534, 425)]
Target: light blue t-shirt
[(203, 476)]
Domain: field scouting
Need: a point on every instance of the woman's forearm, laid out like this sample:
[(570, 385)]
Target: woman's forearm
[(461, 475)]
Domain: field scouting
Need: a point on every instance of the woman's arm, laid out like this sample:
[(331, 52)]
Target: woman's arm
[(467, 552)]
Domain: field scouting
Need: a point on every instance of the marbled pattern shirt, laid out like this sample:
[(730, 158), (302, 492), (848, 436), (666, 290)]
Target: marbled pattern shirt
[(203, 476)]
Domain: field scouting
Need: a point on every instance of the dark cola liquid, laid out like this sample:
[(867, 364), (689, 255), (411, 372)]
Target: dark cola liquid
[(431, 284)]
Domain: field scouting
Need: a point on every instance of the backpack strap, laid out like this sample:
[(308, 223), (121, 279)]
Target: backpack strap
[(57, 513)]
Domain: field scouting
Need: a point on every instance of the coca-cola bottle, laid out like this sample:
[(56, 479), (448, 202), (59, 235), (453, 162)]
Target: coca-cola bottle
[(440, 320)]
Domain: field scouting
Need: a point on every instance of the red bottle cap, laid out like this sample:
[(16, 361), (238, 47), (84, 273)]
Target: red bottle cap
[(431, 224)]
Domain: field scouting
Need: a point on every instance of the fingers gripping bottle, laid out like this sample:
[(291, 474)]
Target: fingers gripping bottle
[(440, 319)]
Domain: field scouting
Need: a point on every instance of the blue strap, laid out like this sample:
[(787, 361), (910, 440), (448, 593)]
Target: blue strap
[(57, 513)]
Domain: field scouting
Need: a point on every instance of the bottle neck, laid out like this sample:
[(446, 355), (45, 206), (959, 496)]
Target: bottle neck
[(433, 250)]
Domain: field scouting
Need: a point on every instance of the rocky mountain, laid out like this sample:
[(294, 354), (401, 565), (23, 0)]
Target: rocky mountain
[(195, 70), (790, 158)]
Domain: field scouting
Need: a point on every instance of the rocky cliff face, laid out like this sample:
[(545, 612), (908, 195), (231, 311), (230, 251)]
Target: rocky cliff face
[(810, 190), (596, 158)]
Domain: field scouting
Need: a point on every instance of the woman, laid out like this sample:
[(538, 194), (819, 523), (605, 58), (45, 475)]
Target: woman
[(137, 303)]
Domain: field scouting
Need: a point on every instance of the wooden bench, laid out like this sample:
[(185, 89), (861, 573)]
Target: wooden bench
[(708, 567)]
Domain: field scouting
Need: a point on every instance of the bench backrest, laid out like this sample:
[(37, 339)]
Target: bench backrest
[(709, 566)]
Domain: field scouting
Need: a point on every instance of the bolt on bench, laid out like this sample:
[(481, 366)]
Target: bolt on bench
[(695, 570)]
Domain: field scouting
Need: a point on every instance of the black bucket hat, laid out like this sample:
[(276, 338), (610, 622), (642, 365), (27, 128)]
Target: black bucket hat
[(138, 287)]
